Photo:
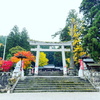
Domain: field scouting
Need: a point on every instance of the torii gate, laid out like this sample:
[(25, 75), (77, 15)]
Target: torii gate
[(62, 49)]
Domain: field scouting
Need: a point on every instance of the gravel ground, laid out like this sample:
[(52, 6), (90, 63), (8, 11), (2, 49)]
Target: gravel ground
[(51, 96)]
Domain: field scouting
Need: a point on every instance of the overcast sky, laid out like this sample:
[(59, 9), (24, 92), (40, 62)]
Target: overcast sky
[(42, 18)]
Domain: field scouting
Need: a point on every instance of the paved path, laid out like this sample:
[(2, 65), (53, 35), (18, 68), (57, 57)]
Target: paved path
[(52, 96)]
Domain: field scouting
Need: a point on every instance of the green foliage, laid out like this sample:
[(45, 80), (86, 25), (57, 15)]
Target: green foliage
[(91, 43), (9, 56), (57, 59), (89, 9), (91, 40), (44, 47), (72, 14), (2, 39), (24, 39), (2, 43), (16, 38), (1, 51), (50, 56), (16, 49), (64, 34)]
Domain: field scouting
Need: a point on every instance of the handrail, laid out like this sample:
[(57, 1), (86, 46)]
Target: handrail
[(12, 89)]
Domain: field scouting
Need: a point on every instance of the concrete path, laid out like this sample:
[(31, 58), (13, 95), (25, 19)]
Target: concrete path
[(52, 96)]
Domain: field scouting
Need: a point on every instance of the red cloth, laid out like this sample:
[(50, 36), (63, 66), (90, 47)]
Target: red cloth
[(22, 65), (81, 64)]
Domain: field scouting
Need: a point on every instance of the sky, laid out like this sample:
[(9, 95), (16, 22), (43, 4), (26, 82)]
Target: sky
[(41, 18)]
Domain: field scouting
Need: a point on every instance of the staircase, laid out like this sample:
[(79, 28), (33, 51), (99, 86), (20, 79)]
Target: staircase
[(53, 84)]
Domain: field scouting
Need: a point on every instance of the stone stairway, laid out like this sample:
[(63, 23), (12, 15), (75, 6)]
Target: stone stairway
[(53, 84)]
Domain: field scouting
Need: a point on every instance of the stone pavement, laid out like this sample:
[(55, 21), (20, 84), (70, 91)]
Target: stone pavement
[(51, 96)]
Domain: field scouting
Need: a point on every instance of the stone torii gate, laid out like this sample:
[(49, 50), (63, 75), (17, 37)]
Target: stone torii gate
[(50, 44)]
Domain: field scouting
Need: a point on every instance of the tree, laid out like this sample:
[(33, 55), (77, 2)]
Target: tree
[(24, 39), (91, 40), (8, 56), (72, 15), (2, 43), (13, 39), (16, 49), (64, 33), (50, 56), (42, 59), (58, 59), (1, 50), (64, 36), (5, 65), (76, 34), (1, 62), (16, 38), (2, 39), (27, 61), (90, 8)]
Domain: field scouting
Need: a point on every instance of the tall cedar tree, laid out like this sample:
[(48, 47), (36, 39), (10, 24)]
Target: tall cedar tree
[(91, 40), (16, 38)]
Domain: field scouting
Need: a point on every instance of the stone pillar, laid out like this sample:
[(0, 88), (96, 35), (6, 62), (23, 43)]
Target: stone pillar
[(64, 61), (37, 60)]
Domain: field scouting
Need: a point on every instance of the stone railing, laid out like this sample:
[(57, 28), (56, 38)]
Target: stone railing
[(7, 82), (93, 77), (9, 74)]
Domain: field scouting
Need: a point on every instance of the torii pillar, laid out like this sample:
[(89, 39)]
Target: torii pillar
[(64, 61), (37, 60)]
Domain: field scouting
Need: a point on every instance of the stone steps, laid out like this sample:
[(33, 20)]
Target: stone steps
[(21, 85), (53, 88), (53, 84), (56, 90)]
